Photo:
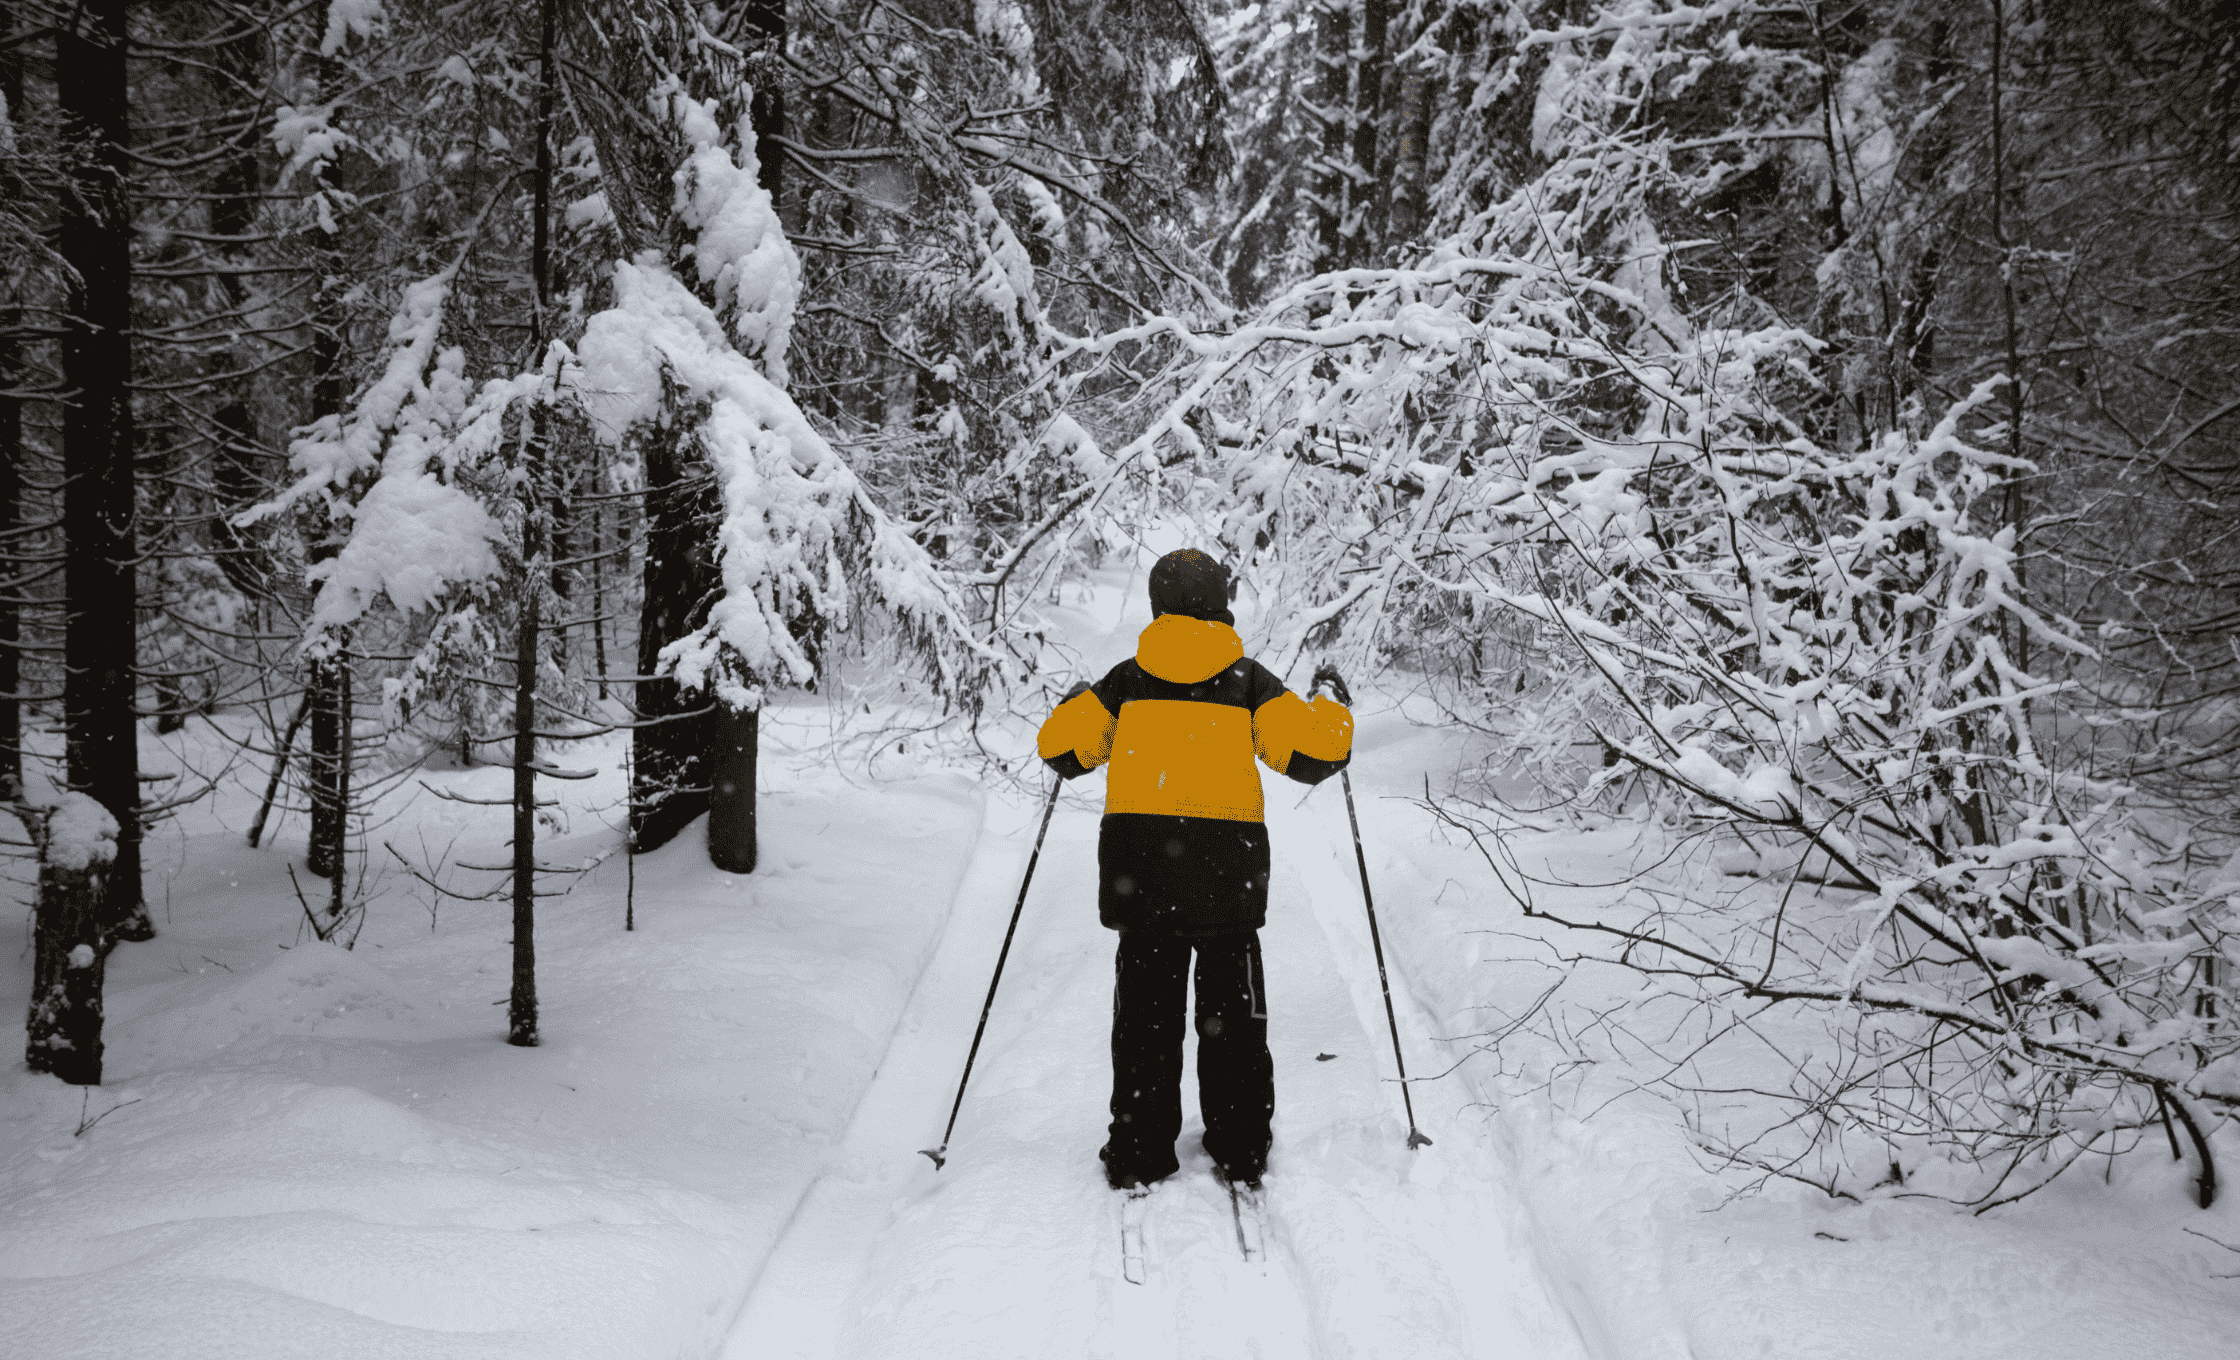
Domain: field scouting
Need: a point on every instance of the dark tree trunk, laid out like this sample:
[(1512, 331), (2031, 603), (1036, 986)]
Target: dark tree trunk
[(329, 729), (669, 783), (562, 509), (731, 805), (1375, 90), (671, 760), (13, 374), (537, 573), (279, 770), (11, 514), (237, 471), (322, 764), (1411, 181), (70, 951), (1333, 53), (521, 1006), (599, 575), (100, 735), (768, 113), (735, 734), (2018, 379), (237, 482)]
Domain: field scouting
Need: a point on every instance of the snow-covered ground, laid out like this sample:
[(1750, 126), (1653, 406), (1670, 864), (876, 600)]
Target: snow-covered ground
[(312, 1151)]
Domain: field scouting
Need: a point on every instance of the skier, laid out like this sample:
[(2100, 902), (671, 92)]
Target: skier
[(1182, 863)]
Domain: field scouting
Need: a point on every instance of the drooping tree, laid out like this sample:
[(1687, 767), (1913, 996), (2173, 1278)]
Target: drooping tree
[(1743, 428)]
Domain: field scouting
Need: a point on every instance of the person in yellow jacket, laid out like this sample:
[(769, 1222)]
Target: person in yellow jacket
[(1182, 862)]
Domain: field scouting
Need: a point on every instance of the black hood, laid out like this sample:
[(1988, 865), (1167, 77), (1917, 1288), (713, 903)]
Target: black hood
[(1189, 583)]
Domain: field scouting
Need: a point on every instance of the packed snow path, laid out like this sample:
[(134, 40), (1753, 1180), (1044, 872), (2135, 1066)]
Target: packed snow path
[(1014, 1248), (305, 1150)]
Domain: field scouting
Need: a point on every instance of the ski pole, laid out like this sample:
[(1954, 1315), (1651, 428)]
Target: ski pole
[(940, 1155), (1416, 1137)]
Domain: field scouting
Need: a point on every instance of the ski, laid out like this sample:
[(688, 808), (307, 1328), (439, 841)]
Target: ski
[(1246, 1206), (1133, 1209)]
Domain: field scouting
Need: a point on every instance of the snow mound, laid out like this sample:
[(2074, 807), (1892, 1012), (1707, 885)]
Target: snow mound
[(80, 833), (312, 990), (306, 1220)]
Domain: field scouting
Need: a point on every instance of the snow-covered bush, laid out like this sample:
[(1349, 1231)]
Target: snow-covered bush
[(1813, 656)]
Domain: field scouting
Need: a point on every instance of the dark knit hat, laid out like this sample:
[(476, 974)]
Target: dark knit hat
[(1189, 583)]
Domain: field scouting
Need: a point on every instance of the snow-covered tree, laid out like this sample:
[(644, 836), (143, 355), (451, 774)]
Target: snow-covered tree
[(691, 353), (1739, 559), (441, 482)]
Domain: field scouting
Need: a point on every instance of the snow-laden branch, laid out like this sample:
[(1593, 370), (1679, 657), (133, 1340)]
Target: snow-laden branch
[(801, 537)]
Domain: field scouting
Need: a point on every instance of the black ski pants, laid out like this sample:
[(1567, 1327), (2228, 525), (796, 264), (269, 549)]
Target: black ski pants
[(1236, 1078)]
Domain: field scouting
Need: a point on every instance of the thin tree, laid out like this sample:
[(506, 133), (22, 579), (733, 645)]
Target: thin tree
[(14, 377), (536, 571)]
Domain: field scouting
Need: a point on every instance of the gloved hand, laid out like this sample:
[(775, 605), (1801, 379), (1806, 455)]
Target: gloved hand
[(1080, 687), (1327, 674)]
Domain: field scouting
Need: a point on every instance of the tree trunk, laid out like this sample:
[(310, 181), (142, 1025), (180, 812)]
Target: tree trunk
[(11, 513), (561, 506), (100, 734), (279, 770), (2016, 509), (536, 574), (671, 759), (324, 768), (1410, 178), (323, 689), (731, 805), (668, 750), (767, 114), (669, 784), (599, 573), (1333, 49), (521, 1006), (70, 947), (1375, 89), (13, 374), (737, 734), (347, 716), (236, 483), (322, 764)]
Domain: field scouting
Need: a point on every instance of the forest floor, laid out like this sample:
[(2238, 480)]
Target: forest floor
[(304, 1150)]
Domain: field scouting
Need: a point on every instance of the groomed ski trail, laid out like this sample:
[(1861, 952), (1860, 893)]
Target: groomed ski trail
[(1014, 1249), (1446, 1216)]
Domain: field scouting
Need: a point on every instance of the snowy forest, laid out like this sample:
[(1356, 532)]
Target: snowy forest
[(535, 540)]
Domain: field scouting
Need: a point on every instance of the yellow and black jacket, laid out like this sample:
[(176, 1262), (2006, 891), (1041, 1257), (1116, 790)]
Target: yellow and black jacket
[(1183, 847)]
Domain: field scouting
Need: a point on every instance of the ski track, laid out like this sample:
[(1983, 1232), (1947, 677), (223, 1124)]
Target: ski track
[(1014, 1248)]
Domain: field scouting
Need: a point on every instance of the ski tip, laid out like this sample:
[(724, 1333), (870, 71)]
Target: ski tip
[(935, 1156), (1416, 1139)]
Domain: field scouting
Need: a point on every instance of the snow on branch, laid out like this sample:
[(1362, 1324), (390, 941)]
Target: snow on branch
[(737, 246), (1808, 649), (801, 537), (384, 473)]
